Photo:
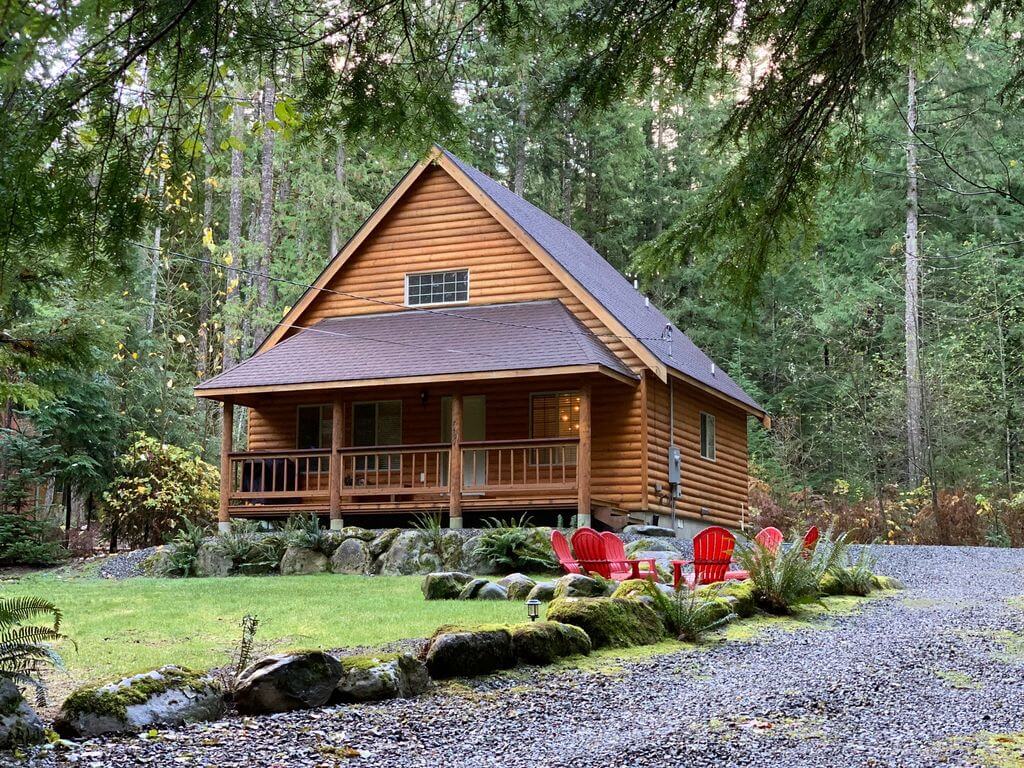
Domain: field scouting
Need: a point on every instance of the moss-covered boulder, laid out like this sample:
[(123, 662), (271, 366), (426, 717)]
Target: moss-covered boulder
[(298, 561), (517, 585), (878, 581), (740, 597), (576, 585), (166, 697), (830, 585), (19, 724), (383, 541), (444, 585), (610, 621), (543, 591), (464, 652), (381, 676), (210, 561), (351, 556), (543, 642), (482, 589), (286, 681)]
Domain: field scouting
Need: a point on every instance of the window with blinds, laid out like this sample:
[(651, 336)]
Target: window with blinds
[(554, 415), (377, 423), (707, 436)]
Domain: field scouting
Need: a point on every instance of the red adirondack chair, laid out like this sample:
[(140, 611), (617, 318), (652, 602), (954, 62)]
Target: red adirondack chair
[(560, 545), (622, 567), (770, 538), (712, 554), (588, 546), (811, 539)]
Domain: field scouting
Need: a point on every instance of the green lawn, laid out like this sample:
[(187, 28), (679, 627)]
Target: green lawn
[(138, 624)]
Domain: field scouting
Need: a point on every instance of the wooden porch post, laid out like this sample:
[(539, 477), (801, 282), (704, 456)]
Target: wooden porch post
[(336, 460), (455, 465), (226, 440), (583, 459)]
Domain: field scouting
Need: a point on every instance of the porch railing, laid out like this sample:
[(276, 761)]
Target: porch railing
[(492, 466), (279, 476), (393, 469)]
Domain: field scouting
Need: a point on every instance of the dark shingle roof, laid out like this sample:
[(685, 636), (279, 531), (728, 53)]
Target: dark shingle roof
[(493, 337), (609, 287)]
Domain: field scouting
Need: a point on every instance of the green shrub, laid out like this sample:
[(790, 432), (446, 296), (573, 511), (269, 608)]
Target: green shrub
[(184, 550), (447, 549), (305, 532), (856, 575), (24, 541), (690, 613), (155, 489), (515, 545), (25, 645)]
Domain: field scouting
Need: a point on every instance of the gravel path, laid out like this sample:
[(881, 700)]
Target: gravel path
[(910, 680)]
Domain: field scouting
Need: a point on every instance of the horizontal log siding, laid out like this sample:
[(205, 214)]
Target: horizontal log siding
[(438, 225), (616, 421), (719, 486)]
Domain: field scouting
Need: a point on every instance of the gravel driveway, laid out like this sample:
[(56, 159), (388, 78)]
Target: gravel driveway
[(916, 679)]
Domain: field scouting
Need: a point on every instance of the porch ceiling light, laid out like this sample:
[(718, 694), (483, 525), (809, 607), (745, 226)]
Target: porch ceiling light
[(423, 396)]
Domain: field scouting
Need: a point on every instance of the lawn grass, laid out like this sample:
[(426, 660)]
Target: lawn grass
[(131, 626)]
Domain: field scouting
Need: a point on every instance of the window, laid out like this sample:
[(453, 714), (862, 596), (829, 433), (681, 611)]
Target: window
[(378, 423), (313, 429), (450, 287), (707, 436), (554, 415)]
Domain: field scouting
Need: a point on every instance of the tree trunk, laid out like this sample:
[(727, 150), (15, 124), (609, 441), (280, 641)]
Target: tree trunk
[(916, 459), (234, 237), (519, 151), (266, 221), (339, 176), (154, 261)]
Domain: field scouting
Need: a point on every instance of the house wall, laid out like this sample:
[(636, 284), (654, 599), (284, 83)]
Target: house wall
[(615, 480), (718, 487)]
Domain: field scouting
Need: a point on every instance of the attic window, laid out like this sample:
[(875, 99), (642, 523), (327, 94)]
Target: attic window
[(447, 287)]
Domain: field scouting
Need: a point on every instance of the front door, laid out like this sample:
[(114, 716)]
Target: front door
[(474, 427)]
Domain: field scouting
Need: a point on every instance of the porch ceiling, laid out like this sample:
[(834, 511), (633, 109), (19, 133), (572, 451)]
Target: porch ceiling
[(448, 344)]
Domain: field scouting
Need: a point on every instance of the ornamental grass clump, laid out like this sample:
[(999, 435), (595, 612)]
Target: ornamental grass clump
[(305, 532), (515, 545), (788, 577)]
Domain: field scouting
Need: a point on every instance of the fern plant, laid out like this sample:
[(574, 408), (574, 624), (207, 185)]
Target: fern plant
[(690, 613), (26, 645), (248, 551), (514, 545), (786, 578), (305, 532), (433, 533), (184, 550), (856, 576)]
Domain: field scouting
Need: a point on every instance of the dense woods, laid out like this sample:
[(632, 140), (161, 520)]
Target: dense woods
[(850, 256)]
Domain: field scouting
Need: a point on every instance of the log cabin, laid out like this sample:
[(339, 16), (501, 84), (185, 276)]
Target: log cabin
[(465, 354)]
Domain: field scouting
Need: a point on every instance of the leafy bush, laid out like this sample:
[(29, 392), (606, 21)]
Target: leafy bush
[(25, 645), (24, 541), (156, 488), (690, 613), (787, 578), (515, 545), (185, 549), (249, 550), (305, 532)]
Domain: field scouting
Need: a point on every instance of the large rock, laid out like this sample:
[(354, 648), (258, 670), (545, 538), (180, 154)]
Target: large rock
[(19, 724), (298, 562), (407, 555), (455, 652), (444, 585), (650, 531), (210, 561), (517, 585), (382, 543), (610, 621), (482, 589), (351, 556), (652, 545), (543, 642), (577, 585), (543, 591), (287, 681), (166, 697), (384, 676), (355, 532), (473, 562)]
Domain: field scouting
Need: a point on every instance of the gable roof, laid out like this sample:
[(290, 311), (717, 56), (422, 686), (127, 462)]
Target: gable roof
[(539, 336), (643, 328)]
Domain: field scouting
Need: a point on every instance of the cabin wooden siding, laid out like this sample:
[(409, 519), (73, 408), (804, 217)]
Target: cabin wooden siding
[(616, 448), (719, 487)]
